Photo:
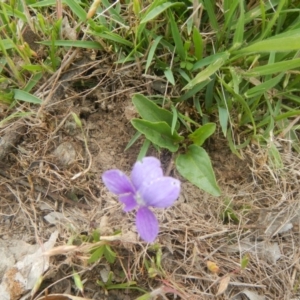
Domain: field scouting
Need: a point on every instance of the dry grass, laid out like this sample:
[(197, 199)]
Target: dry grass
[(36, 180)]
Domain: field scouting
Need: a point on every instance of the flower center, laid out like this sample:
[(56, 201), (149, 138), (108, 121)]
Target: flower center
[(139, 200)]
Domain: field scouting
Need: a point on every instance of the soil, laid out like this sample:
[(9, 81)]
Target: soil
[(54, 163)]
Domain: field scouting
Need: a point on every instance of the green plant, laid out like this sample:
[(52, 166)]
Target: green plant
[(160, 127), (245, 79)]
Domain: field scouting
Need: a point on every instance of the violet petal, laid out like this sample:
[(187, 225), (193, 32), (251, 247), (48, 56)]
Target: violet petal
[(147, 224), (161, 192), (117, 182), (146, 170), (129, 201)]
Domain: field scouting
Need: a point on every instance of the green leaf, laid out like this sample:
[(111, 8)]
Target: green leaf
[(223, 118), (210, 6), (77, 120), (109, 254), (14, 115), (77, 9), (228, 214), (153, 13), (152, 52), (199, 136), (145, 297), (78, 44), (115, 38), (43, 3), (231, 144), (241, 100), (24, 96), (279, 44), (133, 140), (8, 44), (275, 157), (12, 11), (175, 118), (257, 11), (159, 133), (149, 111), (192, 92), (239, 32), (229, 7), (245, 261), (210, 70), (123, 286), (144, 149), (32, 82), (271, 22), (278, 67), (198, 43), (33, 68), (208, 60), (136, 7), (196, 167), (169, 75), (263, 87), (97, 254), (210, 92), (78, 281), (177, 37), (96, 235), (114, 13)]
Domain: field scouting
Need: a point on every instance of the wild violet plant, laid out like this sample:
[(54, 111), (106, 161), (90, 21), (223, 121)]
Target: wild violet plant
[(146, 187)]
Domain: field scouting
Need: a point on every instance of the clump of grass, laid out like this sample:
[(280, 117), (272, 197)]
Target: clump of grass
[(234, 64)]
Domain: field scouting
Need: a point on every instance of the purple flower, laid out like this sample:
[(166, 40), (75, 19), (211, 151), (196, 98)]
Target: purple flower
[(146, 187)]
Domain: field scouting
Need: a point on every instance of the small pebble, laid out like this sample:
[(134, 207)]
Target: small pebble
[(65, 153)]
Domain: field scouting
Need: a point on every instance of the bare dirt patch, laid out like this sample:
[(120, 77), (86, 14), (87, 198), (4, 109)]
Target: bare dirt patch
[(50, 180)]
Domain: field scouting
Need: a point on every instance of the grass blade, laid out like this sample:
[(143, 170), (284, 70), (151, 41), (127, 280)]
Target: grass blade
[(278, 67), (169, 75), (76, 9), (133, 140), (239, 32), (176, 36), (24, 96), (263, 87), (153, 13), (115, 38), (208, 60), (198, 43), (209, 6), (152, 52), (271, 23), (279, 44), (210, 70), (229, 11), (76, 44), (175, 118), (144, 149)]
